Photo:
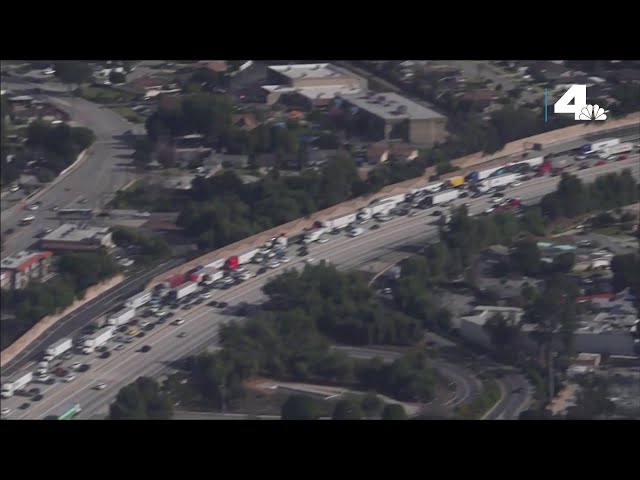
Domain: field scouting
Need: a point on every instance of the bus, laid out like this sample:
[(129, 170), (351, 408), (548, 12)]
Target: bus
[(70, 412)]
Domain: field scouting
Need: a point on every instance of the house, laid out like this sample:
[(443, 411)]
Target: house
[(18, 269), (377, 153), (472, 326)]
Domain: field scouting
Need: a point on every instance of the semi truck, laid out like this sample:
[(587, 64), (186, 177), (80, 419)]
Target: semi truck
[(98, 339), (281, 242), (368, 212), (494, 182), (532, 162), (442, 197), (625, 147), (211, 275), (595, 147), (184, 290), (338, 223), (15, 384), (457, 181), (138, 300), (313, 235), (57, 349), (121, 317), (430, 188), (395, 199)]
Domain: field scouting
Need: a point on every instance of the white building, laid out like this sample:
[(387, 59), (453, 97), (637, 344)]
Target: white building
[(471, 327)]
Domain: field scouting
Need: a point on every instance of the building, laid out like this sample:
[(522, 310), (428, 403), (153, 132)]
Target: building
[(605, 333), (73, 237), (381, 152), (388, 116), (584, 363), (21, 268), (471, 327), (312, 85)]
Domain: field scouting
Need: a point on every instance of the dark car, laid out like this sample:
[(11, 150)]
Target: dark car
[(140, 334), (464, 195), (34, 391), (374, 227), (437, 213), (497, 195), (261, 270), (145, 348), (303, 253), (37, 398), (223, 305), (199, 301), (25, 405), (161, 320), (106, 354), (84, 367), (476, 195), (187, 307)]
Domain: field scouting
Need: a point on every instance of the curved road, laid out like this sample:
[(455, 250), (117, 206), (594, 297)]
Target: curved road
[(202, 323)]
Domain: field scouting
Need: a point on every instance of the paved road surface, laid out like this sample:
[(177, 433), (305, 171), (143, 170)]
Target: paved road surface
[(203, 323), (104, 171)]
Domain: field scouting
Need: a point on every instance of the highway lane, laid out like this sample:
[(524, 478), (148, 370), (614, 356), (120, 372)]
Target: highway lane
[(343, 251), (71, 325), (100, 175)]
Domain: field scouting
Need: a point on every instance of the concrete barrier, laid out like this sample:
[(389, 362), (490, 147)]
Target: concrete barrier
[(505, 155), (47, 322)]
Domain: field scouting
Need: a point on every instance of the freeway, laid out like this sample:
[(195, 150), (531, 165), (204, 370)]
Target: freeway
[(71, 325), (93, 182), (202, 324)]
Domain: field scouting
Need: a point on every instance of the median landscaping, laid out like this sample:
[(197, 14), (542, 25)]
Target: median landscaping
[(482, 403)]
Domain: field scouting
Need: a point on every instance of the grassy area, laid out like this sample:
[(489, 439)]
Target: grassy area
[(99, 94), (146, 196), (129, 114), (481, 405)]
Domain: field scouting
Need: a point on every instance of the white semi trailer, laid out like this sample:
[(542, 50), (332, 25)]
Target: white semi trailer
[(121, 317), (57, 349), (18, 382), (98, 339), (139, 300)]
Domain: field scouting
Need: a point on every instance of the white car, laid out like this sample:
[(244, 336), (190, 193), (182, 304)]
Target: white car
[(206, 295), (154, 309), (178, 321), (33, 207), (497, 200), (75, 365), (516, 184), (14, 188), (311, 261), (120, 347), (489, 210), (161, 313), (69, 378), (44, 377), (101, 386), (144, 324), (285, 259), (273, 264), (323, 240), (5, 411)]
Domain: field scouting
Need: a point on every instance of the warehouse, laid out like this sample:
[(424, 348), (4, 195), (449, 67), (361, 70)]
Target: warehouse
[(390, 116), (73, 237)]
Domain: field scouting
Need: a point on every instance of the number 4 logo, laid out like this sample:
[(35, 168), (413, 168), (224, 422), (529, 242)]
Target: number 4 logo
[(580, 109)]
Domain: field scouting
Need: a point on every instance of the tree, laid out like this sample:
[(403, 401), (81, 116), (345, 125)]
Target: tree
[(394, 411), (83, 137), (73, 72), (526, 256), (371, 404), (141, 400), (299, 407), (143, 153), (347, 409), (564, 262)]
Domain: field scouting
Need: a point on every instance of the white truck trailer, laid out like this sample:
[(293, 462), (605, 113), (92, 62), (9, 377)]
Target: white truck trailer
[(58, 349), (532, 162), (393, 199), (493, 182), (625, 147), (121, 317), (368, 212), (246, 257), (138, 300), (281, 242), (442, 197), (98, 339), (215, 264), (313, 235), (18, 382), (430, 188), (184, 290), (210, 275), (595, 147), (338, 223)]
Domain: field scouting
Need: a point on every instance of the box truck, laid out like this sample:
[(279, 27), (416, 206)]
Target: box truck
[(58, 349), (121, 317), (482, 174), (138, 300), (494, 182), (595, 147), (18, 382), (184, 290), (338, 223), (212, 275), (98, 339), (442, 197), (625, 147), (313, 235), (457, 181)]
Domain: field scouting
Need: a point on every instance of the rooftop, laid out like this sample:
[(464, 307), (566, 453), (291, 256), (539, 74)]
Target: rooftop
[(22, 260), (309, 70), (73, 233), (391, 106)]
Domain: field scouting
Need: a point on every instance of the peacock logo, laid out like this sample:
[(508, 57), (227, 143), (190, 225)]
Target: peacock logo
[(592, 112)]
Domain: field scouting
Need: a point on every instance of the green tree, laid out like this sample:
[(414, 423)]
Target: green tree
[(371, 404), (141, 400), (564, 262), (117, 78), (347, 409), (73, 72), (299, 407), (527, 258), (394, 411), (83, 137)]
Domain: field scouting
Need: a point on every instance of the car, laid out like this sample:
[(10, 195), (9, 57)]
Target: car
[(273, 264), (584, 166), (144, 323), (464, 195), (206, 295), (84, 367), (285, 259), (37, 398), (182, 334), (261, 270), (24, 406), (178, 321), (145, 348), (44, 377), (140, 334), (33, 207), (69, 378), (489, 210), (223, 305), (5, 411), (303, 253), (199, 301), (160, 321), (414, 214), (34, 391), (55, 208), (496, 200), (14, 188), (311, 261), (437, 213), (100, 386), (83, 201), (476, 195), (120, 347), (105, 354), (600, 163), (67, 356), (516, 184), (323, 240), (621, 157), (374, 227), (188, 307)]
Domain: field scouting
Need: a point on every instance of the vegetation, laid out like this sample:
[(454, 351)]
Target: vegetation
[(626, 273), (394, 411), (105, 95), (482, 403), (73, 72), (77, 272), (150, 248), (592, 399), (129, 114), (300, 407), (147, 196), (117, 78), (347, 409), (141, 400)]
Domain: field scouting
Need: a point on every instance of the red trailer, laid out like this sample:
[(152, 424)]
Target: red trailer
[(232, 263), (176, 280)]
